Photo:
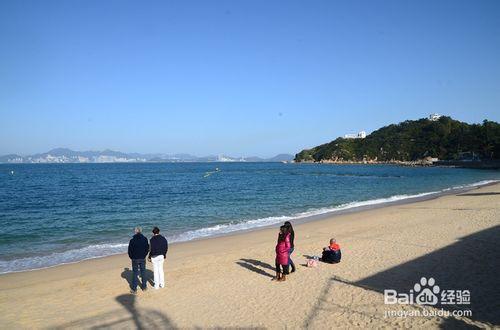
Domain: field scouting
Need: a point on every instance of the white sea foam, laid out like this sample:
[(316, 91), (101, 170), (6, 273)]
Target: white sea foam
[(59, 258), (102, 250), (263, 222)]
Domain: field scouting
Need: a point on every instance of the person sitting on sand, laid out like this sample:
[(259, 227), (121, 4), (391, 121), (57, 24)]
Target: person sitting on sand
[(289, 227), (282, 254), (138, 249), (332, 253), (157, 255)]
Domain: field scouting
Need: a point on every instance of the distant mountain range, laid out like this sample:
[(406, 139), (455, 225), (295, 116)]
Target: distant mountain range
[(63, 155)]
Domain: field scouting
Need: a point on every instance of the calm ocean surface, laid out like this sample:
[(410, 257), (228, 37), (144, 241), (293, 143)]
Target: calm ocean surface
[(58, 213)]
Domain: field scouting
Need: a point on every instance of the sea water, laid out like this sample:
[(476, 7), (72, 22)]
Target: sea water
[(59, 213)]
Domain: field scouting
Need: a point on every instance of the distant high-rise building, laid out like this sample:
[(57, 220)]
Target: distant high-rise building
[(360, 135)]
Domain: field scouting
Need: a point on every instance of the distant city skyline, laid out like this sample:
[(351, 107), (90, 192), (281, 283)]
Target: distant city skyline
[(64, 155), (253, 78)]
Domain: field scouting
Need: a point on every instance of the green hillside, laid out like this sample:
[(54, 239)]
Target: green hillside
[(446, 139)]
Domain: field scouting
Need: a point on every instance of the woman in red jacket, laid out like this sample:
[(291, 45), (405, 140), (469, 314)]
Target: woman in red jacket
[(282, 254)]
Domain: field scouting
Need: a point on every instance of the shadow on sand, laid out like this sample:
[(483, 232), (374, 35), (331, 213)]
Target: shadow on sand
[(128, 274), (253, 265), (129, 317), (471, 264)]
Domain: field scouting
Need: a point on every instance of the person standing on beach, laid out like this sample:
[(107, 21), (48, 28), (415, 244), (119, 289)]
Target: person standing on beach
[(138, 248), (157, 254), (282, 254), (289, 227)]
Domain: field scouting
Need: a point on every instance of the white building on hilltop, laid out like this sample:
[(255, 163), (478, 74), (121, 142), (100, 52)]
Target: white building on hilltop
[(360, 135), (434, 116)]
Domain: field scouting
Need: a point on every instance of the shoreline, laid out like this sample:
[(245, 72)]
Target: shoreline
[(226, 280), (476, 165), (367, 205)]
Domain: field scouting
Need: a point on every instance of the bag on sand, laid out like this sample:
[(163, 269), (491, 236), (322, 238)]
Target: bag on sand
[(312, 263)]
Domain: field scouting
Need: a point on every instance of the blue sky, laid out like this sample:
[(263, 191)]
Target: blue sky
[(237, 77)]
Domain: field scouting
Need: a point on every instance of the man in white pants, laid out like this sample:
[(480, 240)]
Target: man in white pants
[(157, 254)]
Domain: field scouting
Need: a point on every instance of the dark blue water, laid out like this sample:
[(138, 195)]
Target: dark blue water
[(57, 213)]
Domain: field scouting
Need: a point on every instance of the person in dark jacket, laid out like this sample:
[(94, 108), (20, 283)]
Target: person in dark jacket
[(332, 253), (289, 227), (138, 248), (157, 255)]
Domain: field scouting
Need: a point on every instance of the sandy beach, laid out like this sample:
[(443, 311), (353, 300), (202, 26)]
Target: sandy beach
[(226, 281)]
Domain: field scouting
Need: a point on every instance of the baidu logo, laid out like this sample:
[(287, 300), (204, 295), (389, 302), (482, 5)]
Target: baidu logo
[(427, 292)]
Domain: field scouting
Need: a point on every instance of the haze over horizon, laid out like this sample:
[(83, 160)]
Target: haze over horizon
[(237, 78), (63, 149)]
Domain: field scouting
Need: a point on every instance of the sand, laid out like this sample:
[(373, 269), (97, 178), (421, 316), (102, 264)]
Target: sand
[(226, 281)]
